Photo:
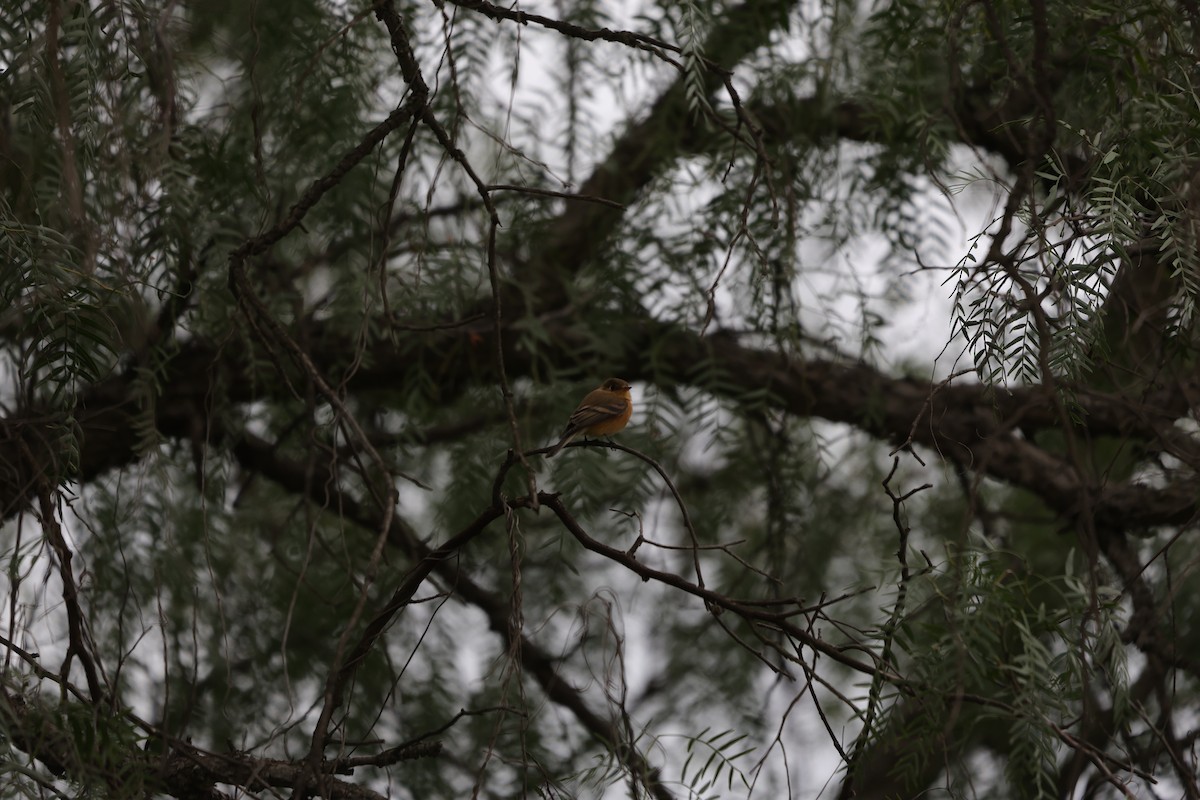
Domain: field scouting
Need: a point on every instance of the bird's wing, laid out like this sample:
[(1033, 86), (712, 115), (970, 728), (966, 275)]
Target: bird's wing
[(595, 410)]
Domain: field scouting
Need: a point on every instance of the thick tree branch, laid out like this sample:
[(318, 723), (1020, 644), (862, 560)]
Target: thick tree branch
[(968, 424), (643, 151), (52, 736)]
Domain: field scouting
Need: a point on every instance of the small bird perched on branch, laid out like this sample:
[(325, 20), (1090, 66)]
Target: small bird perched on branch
[(604, 411)]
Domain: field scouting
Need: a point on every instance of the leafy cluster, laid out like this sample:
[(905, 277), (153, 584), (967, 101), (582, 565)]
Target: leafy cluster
[(272, 394)]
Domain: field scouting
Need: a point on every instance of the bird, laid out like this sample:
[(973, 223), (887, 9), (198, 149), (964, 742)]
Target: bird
[(605, 410)]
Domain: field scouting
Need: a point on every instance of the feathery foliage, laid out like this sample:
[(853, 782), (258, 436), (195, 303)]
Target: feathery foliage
[(293, 295)]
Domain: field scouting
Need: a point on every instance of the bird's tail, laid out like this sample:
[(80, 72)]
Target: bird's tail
[(568, 436)]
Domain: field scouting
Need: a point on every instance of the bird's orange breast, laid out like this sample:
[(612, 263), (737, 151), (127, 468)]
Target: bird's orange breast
[(614, 423)]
